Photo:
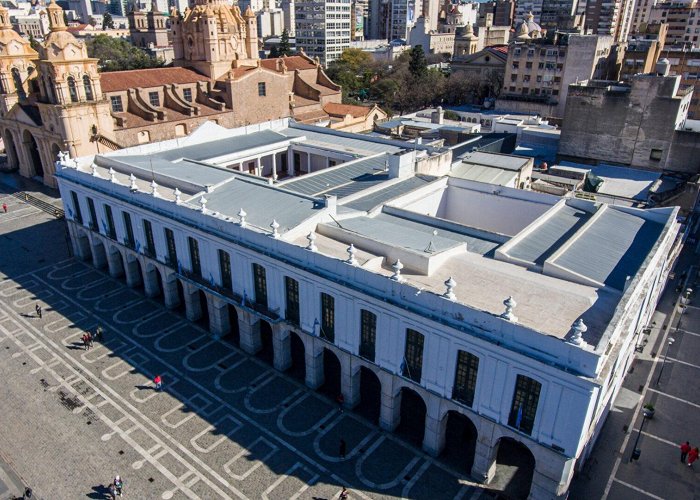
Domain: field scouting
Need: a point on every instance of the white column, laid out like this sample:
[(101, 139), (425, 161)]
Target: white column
[(349, 380), (219, 324), (133, 276), (150, 282), (390, 412), (274, 166), (99, 258), (314, 363), (308, 163), (258, 171), (193, 308), (249, 334), (484, 467), (281, 344), (434, 436), (170, 295), (115, 264)]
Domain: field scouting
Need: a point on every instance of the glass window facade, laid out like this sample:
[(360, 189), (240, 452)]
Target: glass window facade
[(328, 317), (465, 378), (260, 284), (225, 266), (291, 287), (413, 355), (524, 408), (196, 265), (368, 334)]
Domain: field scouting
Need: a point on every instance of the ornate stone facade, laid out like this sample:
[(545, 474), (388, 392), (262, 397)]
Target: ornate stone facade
[(57, 100)]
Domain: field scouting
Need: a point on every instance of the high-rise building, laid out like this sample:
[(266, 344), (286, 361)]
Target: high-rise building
[(402, 18), (683, 19), (323, 28), (539, 70), (641, 13), (289, 21), (610, 17), (502, 12)]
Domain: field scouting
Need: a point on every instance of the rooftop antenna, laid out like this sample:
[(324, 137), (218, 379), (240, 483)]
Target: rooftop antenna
[(431, 248)]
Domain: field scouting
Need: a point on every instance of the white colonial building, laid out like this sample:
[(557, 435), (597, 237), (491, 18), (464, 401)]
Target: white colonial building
[(492, 321)]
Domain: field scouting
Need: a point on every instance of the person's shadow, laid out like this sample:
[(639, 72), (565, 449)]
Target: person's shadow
[(100, 492)]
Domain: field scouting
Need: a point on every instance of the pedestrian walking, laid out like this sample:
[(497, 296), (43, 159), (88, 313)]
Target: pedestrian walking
[(98, 333), (158, 381), (693, 456), (113, 491), (89, 339), (37, 308), (685, 448), (118, 485), (4, 207), (342, 448), (86, 343), (343, 494), (340, 399)]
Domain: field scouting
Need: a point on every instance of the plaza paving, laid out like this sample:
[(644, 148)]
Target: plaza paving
[(226, 425)]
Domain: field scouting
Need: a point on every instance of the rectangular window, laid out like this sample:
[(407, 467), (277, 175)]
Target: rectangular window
[(172, 248), (368, 334), (93, 214), (225, 267), (260, 284), (154, 99), (187, 95), (129, 238), (465, 378), (656, 154), (262, 91), (76, 206), (148, 234), (524, 407), (194, 256), (116, 104), (109, 229), (291, 287), (328, 317), (413, 355)]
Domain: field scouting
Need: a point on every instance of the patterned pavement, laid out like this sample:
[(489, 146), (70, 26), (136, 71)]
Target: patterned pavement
[(226, 425)]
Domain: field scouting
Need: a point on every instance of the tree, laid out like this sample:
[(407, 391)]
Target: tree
[(33, 43), (418, 64), (284, 49), (354, 70), (107, 21), (274, 52), (116, 54)]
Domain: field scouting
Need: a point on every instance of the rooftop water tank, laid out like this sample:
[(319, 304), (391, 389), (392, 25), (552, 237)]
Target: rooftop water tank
[(663, 67)]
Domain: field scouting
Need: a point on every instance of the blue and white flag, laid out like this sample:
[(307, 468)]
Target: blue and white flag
[(519, 417)]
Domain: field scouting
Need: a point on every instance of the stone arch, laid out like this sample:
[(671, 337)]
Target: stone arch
[(72, 89), (203, 299), (82, 244), (514, 466), (55, 150), (461, 437), (370, 394), (413, 413), (266, 352), (153, 280), (115, 261), (234, 334), (87, 87), (332, 370), (32, 150), (99, 253), (297, 368), (10, 149)]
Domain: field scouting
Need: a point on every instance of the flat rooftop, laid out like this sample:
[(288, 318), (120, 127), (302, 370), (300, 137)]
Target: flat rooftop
[(560, 259)]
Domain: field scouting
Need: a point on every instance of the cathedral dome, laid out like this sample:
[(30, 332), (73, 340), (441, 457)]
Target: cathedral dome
[(528, 28)]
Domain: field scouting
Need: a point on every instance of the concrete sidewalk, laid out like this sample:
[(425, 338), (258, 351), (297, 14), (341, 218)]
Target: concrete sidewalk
[(11, 485), (11, 182)]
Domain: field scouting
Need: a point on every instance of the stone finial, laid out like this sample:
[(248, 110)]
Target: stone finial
[(94, 170), (275, 226), (508, 313), (450, 284), (154, 188), (203, 204), (241, 217), (397, 266), (351, 255), (132, 183), (577, 331), (112, 176), (312, 242), (177, 194)]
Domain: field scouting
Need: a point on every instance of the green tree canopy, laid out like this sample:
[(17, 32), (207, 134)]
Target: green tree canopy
[(107, 21), (418, 64), (116, 54), (285, 49), (354, 70)]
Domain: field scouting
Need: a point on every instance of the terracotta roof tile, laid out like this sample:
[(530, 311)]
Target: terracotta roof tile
[(144, 78), (355, 111)]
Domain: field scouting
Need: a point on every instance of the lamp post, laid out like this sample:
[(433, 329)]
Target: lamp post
[(636, 452), (671, 340)]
